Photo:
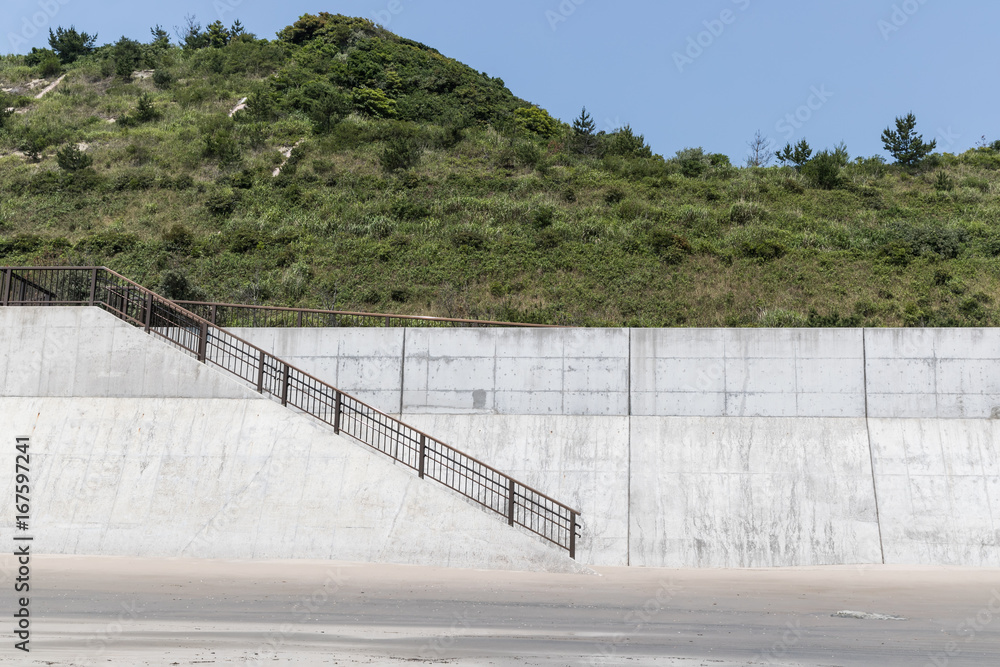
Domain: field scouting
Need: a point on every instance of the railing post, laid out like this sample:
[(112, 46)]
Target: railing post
[(300, 319), (572, 535), (148, 320), (5, 286), (284, 384), (423, 454), (213, 315), (510, 501), (260, 372), (386, 321), (203, 343), (93, 286), (336, 414)]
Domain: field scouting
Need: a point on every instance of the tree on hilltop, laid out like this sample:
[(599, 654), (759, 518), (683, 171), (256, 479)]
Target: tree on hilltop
[(797, 155), (905, 144), (585, 134), (70, 44)]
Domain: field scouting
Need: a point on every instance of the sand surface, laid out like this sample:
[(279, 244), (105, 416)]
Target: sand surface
[(124, 611)]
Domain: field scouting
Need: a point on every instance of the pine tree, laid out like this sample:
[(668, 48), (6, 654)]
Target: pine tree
[(797, 156), (218, 36), (145, 110), (71, 158), (905, 144), (161, 39), (70, 44), (585, 134)]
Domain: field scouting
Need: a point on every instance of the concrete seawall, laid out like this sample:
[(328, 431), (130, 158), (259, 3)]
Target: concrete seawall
[(705, 448), (139, 450), (884, 373), (714, 448)]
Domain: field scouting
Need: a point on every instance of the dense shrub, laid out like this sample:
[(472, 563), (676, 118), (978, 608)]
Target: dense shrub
[(538, 121), (71, 158), (468, 238), (21, 244), (626, 143), (373, 102), (543, 217), (128, 55), (244, 240), (144, 112), (220, 141), (50, 67), (222, 202), (178, 238), (109, 242), (928, 239), (745, 212), (163, 78), (670, 247), (823, 171), (400, 153), (761, 244), (695, 162), (176, 285)]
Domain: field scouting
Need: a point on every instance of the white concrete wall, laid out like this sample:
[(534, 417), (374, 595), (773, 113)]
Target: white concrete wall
[(933, 373), (735, 448), (516, 371), (243, 479), (751, 492), (132, 455), (369, 361), (692, 491), (580, 461), (938, 483), (464, 371), (88, 352), (748, 373)]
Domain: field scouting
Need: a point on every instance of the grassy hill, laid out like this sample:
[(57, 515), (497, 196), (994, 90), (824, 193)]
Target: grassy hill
[(417, 185)]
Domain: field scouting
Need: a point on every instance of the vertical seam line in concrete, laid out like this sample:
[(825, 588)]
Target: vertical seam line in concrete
[(628, 420), (402, 372), (868, 431), (562, 377)]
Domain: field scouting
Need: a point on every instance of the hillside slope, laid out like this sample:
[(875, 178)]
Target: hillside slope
[(417, 185)]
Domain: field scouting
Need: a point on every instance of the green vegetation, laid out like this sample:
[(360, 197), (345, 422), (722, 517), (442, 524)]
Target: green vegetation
[(414, 184), (904, 144)]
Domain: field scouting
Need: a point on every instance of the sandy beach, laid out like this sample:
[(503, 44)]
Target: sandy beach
[(126, 611)]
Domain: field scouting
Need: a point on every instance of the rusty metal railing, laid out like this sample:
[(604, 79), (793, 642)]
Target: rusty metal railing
[(518, 503), (234, 315)]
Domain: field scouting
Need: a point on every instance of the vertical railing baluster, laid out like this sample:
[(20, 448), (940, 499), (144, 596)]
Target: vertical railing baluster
[(572, 535), (284, 384), (149, 311), (260, 372), (423, 455), (510, 501), (203, 342), (7, 273), (93, 287), (336, 414)]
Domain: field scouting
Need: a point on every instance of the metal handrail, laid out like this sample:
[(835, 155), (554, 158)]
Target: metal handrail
[(242, 315), (99, 286)]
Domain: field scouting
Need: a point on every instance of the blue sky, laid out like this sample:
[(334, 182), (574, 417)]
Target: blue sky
[(707, 73)]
